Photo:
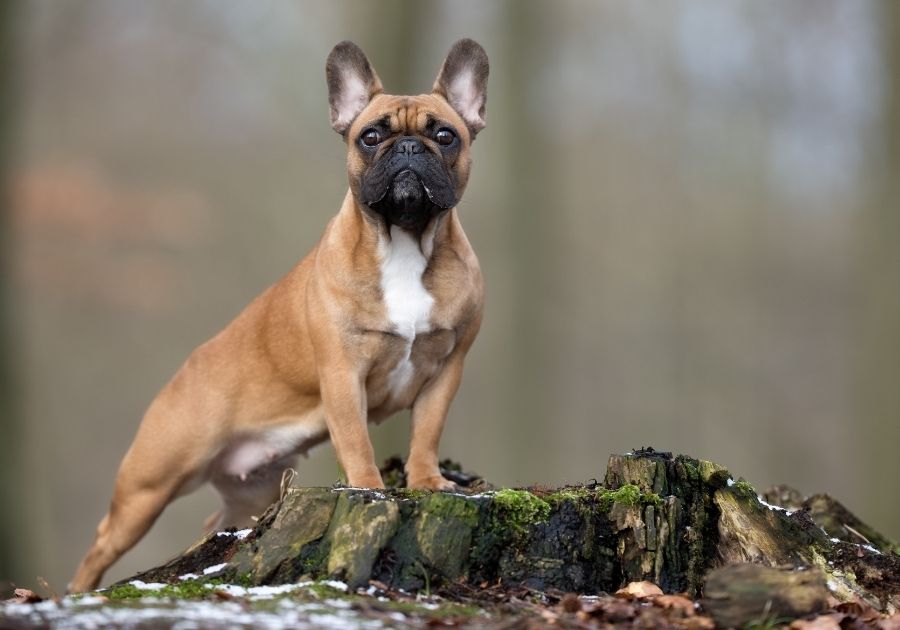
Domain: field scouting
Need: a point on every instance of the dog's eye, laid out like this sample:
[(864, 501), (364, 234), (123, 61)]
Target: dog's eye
[(444, 137), (370, 138)]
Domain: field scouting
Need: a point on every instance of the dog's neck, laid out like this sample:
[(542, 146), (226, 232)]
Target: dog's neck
[(374, 233)]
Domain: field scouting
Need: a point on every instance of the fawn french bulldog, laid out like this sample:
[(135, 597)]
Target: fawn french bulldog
[(378, 317)]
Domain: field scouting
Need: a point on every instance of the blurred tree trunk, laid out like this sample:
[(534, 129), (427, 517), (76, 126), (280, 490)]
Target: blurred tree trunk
[(879, 388), (533, 228), (9, 434)]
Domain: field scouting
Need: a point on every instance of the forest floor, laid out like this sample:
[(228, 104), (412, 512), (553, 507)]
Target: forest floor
[(328, 604)]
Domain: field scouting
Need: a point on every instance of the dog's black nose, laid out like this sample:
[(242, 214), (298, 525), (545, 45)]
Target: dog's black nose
[(408, 146)]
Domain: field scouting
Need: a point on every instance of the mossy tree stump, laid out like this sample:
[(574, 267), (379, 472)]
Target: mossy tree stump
[(655, 517)]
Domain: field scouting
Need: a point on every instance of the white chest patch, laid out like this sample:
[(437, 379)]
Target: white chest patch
[(406, 300)]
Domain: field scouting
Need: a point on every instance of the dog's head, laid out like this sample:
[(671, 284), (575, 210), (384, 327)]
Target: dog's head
[(408, 156)]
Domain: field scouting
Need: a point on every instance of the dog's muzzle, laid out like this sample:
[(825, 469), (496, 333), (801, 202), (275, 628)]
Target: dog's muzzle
[(408, 185)]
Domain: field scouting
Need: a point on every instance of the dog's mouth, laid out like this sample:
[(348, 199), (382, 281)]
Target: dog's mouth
[(407, 202)]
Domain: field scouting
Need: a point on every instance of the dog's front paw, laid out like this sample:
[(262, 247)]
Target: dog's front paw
[(436, 483)]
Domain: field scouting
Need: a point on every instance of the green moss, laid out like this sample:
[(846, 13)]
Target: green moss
[(440, 537), (712, 473), (325, 591), (743, 489), (518, 510), (692, 470), (244, 579), (448, 506), (629, 495), (411, 493), (123, 591), (570, 494), (188, 589), (200, 589)]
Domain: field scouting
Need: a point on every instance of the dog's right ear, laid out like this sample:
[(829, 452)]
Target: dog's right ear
[(351, 84)]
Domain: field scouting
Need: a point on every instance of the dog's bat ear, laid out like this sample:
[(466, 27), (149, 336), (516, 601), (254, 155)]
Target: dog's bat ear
[(352, 83), (463, 82)]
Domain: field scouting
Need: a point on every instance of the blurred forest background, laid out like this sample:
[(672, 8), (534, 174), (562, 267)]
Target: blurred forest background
[(686, 212)]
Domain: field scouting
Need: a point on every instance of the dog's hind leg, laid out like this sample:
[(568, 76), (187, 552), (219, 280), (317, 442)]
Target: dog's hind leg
[(167, 459), (135, 506), (245, 500)]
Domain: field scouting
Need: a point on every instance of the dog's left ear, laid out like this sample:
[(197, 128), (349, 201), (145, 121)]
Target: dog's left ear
[(463, 82), (351, 84)]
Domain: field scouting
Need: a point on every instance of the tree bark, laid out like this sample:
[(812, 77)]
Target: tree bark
[(8, 420)]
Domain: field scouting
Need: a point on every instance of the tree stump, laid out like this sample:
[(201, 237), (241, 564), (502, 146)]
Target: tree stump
[(655, 517)]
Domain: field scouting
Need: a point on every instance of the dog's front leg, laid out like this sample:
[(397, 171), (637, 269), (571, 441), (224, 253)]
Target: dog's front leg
[(344, 398), (428, 415)]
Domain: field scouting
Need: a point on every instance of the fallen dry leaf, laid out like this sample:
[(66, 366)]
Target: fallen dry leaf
[(639, 590), (858, 609), (25, 596), (699, 623), (223, 595), (571, 603), (822, 622), (678, 603), (608, 609), (549, 616)]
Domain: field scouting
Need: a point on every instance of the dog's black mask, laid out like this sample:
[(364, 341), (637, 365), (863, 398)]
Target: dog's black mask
[(408, 185)]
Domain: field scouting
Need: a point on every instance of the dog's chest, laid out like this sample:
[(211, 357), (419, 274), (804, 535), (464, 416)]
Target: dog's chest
[(409, 356), (407, 302)]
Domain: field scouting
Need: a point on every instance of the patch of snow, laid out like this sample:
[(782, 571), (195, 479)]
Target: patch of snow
[(871, 548), (268, 592), (342, 623), (146, 586), (86, 613), (375, 493), (867, 547), (731, 482), (479, 495), (87, 600), (152, 611), (775, 507), (214, 568), (241, 534), (188, 576), (833, 586)]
